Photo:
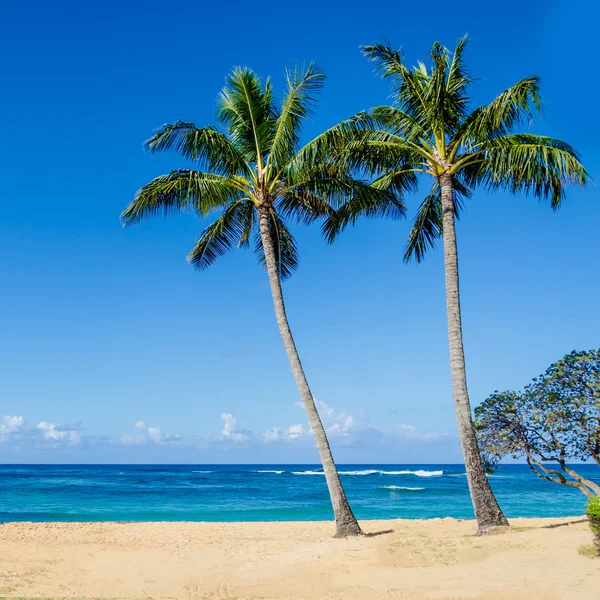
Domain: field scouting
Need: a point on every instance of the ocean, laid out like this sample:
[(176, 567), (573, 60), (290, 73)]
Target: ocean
[(267, 492)]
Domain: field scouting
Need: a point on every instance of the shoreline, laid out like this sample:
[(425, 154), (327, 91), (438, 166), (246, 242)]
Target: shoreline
[(401, 558), (275, 522)]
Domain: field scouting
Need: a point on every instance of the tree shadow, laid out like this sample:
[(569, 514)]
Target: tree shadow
[(378, 533), (584, 520)]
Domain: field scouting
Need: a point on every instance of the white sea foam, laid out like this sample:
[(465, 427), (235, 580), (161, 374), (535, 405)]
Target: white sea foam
[(419, 473), (487, 474), (400, 487), (201, 471), (269, 471)]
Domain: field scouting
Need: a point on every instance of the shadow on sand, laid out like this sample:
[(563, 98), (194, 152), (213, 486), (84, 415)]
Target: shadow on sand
[(584, 520), (377, 533)]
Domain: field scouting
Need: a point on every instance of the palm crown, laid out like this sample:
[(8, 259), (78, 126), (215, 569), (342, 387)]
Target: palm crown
[(431, 129), (255, 163)]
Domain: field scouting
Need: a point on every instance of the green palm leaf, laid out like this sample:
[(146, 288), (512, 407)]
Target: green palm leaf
[(510, 109), (298, 103), (303, 207), (285, 246), (182, 190), (212, 149), (427, 227), (532, 164), (366, 201), (247, 110), (229, 230)]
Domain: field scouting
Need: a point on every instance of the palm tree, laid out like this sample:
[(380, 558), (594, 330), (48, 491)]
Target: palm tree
[(256, 174), (432, 130)]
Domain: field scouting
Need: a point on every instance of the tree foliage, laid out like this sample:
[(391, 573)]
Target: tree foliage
[(593, 512), (433, 128), (254, 161), (554, 420)]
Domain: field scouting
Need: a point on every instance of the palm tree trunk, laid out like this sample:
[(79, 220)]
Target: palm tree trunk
[(487, 510), (345, 522)]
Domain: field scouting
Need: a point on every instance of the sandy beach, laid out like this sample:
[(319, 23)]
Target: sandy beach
[(437, 559)]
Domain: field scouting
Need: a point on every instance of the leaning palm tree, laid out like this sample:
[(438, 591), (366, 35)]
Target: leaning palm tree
[(253, 171), (432, 131)]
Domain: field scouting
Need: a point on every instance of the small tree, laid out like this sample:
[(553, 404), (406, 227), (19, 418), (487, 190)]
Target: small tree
[(555, 419), (593, 511)]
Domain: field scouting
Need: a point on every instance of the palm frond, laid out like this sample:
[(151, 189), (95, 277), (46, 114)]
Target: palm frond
[(331, 144), (410, 86), (400, 180), (389, 62), (333, 185), (399, 122), (427, 226), (380, 151), (532, 164), (458, 77), (298, 103), (213, 150), (302, 207), (286, 252), (229, 230), (500, 117), (366, 201), (182, 190), (246, 108), (446, 90), (365, 144)]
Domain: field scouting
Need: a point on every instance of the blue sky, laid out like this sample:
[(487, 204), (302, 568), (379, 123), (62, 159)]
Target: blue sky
[(114, 350)]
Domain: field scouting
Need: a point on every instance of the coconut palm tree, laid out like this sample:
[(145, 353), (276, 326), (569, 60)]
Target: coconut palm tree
[(253, 171), (432, 131)]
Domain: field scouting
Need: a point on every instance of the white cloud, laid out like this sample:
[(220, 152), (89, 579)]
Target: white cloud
[(9, 424), (149, 436), (233, 431), (10, 427), (277, 434), (69, 434), (334, 422), (346, 430), (296, 431), (326, 412), (16, 432), (343, 429), (154, 434)]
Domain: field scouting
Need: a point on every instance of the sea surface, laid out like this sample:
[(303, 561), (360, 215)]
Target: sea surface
[(267, 492)]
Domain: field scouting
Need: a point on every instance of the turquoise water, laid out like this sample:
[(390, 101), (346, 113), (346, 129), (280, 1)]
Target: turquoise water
[(267, 492)]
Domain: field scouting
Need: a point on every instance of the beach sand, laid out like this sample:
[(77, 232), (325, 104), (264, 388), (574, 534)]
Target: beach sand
[(437, 559)]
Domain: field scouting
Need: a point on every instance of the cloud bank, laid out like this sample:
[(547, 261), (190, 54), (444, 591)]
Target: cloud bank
[(17, 433), (346, 432)]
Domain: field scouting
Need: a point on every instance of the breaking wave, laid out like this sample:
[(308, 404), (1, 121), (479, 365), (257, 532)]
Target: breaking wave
[(418, 473), (400, 487), (269, 471)]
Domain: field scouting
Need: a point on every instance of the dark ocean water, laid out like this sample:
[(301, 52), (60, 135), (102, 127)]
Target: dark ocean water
[(267, 492)]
